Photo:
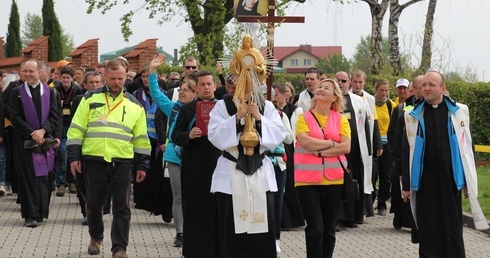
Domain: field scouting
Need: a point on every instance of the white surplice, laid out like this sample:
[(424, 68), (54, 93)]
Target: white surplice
[(248, 192)]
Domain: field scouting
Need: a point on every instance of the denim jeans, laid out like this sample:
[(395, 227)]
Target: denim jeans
[(100, 177), (3, 153), (60, 160)]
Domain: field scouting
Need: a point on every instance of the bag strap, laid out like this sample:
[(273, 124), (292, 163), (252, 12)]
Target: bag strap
[(318, 122), (342, 165)]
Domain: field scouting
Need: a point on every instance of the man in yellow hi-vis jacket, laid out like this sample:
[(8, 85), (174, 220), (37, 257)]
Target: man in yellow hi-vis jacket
[(107, 135)]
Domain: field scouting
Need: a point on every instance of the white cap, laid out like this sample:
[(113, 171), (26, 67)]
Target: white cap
[(402, 82)]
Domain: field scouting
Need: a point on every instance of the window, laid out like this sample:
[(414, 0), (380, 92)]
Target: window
[(294, 62), (307, 62)]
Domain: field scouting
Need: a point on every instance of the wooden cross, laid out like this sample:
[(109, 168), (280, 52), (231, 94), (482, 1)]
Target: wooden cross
[(270, 19)]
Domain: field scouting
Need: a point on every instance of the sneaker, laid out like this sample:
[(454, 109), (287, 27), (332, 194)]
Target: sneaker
[(94, 247), (278, 246), (30, 223), (8, 190), (179, 240), (382, 211), (72, 188), (60, 191), (120, 254), (2, 190)]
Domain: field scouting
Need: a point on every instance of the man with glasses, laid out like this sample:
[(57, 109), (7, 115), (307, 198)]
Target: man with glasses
[(190, 65), (358, 80), (199, 158), (303, 100), (174, 76), (401, 90), (359, 159)]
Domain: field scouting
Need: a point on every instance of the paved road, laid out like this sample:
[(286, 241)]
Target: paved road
[(62, 235)]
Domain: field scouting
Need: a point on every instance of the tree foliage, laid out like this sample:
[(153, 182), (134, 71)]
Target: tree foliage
[(13, 45), (207, 19), (362, 57), (334, 63), (52, 28), (33, 29)]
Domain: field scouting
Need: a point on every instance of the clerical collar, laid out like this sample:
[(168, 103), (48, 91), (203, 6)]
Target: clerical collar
[(34, 86)]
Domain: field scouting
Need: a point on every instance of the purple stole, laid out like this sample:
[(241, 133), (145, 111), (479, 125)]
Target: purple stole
[(43, 163)]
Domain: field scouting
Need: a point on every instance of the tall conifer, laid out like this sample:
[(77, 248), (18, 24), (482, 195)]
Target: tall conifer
[(14, 43), (52, 28)]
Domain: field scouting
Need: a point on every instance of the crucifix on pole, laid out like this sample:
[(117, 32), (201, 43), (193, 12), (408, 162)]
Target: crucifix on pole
[(271, 19)]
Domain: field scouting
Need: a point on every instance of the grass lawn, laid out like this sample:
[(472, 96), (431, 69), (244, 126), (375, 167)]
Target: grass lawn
[(483, 192)]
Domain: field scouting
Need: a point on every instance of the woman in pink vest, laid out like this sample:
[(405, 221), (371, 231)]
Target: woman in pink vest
[(323, 137)]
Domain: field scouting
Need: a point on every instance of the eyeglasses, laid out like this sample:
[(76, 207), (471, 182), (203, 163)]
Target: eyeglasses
[(189, 67), (184, 90), (342, 81)]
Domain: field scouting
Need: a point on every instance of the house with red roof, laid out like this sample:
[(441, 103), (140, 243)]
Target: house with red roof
[(298, 59)]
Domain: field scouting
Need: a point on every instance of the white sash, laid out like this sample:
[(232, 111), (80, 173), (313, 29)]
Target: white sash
[(249, 201)]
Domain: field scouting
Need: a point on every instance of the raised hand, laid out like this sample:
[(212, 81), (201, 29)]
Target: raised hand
[(156, 62)]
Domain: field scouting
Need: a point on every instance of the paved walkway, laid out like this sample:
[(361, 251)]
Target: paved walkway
[(62, 235)]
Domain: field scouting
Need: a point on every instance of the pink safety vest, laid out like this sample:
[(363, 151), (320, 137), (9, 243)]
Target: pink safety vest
[(309, 168)]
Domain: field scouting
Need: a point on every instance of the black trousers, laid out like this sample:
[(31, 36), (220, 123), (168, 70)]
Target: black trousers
[(385, 164), (100, 177), (243, 245), (320, 205)]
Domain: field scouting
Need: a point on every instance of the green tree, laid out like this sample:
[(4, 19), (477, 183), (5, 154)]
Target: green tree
[(33, 29), (14, 44), (362, 56), (334, 63), (52, 28), (207, 18)]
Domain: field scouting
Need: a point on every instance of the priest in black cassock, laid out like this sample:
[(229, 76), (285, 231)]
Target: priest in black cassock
[(437, 164), (37, 120), (199, 158), (359, 159)]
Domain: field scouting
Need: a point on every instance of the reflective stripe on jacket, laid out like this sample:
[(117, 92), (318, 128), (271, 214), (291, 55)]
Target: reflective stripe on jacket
[(118, 134), (309, 168)]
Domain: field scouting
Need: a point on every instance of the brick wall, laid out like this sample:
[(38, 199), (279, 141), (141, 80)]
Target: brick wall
[(86, 54), (147, 55), (41, 51)]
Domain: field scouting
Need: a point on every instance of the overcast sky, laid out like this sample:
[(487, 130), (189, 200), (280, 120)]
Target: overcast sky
[(461, 28)]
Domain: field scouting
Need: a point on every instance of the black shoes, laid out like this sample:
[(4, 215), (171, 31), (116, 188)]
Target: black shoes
[(382, 211), (179, 240), (30, 223)]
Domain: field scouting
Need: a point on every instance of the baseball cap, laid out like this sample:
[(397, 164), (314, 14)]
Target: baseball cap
[(402, 82)]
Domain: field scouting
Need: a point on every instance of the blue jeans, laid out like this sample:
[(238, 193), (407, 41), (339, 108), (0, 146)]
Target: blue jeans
[(60, 160), (279, 199), (3, 153)]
